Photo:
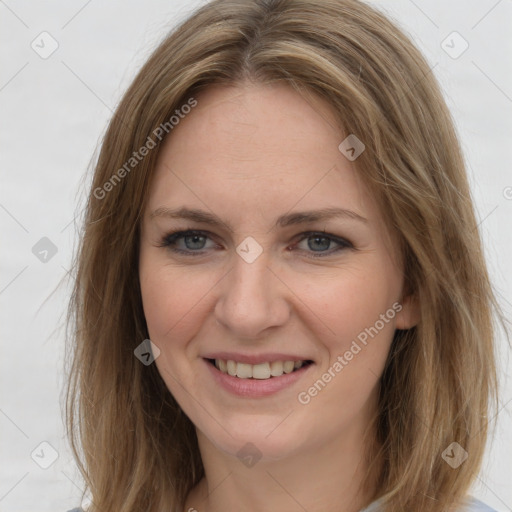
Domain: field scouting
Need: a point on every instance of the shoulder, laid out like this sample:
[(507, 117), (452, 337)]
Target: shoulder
[(470, 505), (474, 505)]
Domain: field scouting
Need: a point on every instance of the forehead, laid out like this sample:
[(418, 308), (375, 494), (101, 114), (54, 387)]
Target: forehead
[(255, 139), (257, 123)]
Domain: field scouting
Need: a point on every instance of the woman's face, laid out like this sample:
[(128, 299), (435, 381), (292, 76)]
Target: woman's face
[(263, 279)]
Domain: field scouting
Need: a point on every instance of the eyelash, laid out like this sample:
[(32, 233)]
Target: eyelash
[(169, 241)]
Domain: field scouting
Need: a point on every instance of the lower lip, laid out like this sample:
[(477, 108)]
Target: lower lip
[(255, 388)]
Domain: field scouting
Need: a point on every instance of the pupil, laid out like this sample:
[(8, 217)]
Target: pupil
[(195, 239), (325, 244)]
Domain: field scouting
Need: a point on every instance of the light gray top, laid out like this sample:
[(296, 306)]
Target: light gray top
[(472, 505)]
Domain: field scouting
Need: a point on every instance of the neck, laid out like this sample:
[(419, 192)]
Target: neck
[(325, 477)]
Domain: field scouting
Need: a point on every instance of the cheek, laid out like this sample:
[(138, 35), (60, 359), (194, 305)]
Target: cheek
[(158, 303), (360, 311), (171, 304), (173, 299), (357, 301)]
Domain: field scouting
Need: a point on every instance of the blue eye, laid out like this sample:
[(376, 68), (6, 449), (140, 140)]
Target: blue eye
[(319, 243), (195, 241)]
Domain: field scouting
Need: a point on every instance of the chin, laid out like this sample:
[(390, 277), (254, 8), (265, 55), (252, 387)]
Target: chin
[(262, 438)]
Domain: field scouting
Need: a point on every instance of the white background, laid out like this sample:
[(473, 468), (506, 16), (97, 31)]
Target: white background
[(54, 112)]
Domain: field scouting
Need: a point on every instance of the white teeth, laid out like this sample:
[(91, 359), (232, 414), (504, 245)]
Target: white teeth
[(288, 366), (231, 368), (260, 371), (244, 371), (276, 368)]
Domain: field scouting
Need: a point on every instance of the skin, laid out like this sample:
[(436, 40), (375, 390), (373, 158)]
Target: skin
[(250, 153)]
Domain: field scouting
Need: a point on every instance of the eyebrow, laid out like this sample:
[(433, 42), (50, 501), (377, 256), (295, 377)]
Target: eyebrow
[(288, 219)]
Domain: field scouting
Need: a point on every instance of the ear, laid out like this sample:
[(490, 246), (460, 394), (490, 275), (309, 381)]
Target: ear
[(409, 315)]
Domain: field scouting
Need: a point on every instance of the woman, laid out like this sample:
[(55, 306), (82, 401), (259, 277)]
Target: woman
[(281, 301)]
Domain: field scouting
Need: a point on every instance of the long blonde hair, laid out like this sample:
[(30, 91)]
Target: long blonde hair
[(134, 446)]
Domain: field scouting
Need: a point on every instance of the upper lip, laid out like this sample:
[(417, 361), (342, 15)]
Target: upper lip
[(255, 358)]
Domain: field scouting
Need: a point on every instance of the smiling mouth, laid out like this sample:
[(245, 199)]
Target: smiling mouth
[(262, 371)]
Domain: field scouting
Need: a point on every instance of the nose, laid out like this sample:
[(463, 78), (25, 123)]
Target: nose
[(252, 299)]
